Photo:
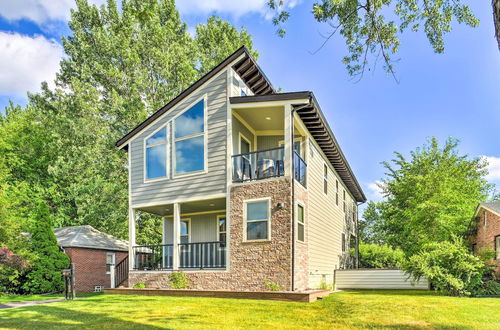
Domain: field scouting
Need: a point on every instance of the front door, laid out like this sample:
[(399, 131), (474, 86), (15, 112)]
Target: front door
[(110, 267)]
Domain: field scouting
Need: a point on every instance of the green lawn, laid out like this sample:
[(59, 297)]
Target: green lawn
[(7, 298), (364, 309)]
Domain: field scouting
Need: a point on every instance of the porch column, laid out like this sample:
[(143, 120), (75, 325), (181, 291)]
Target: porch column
[(176, 236), (131, 238), (288, 141)]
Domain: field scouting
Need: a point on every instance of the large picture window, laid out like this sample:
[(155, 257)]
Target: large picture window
[(257, 220), (156, 154), (300, 223), (190, 140)]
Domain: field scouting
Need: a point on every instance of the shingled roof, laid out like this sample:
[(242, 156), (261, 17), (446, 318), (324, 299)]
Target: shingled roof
[(88, 237), (492, 206)]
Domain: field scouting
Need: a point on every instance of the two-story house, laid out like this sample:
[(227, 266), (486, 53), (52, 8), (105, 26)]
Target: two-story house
[(251, 184)]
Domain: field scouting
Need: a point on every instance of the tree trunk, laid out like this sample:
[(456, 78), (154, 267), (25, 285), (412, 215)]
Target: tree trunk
[(496, 19)]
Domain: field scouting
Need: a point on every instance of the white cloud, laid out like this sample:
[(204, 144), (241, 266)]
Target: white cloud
[(27, 61), (375, 191), (232, 7), (39, 11), (493, 168)]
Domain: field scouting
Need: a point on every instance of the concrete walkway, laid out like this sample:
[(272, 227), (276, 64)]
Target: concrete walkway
[(28, 303)]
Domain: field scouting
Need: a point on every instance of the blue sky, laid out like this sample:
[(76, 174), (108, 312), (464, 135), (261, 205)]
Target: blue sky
[(453, 94)]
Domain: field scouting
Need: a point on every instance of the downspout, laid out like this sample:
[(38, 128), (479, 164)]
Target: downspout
[(292, 175)]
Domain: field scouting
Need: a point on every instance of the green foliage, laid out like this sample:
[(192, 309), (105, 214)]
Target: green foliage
[(490, 287), (371, 224), (178, 280), (429, 197), (45, 273), (12, 271), (380, 256), (272, 286), (140, 285), (374, 28), (449, 266)]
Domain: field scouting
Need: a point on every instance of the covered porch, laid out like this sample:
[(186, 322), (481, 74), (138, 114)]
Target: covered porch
[(193, 237)]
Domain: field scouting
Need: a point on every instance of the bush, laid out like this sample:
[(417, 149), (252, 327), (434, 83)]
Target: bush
[(140, 285), (272, 286), (449, 266), (379, 256), (12, 271), (178, 280), (490, 287)]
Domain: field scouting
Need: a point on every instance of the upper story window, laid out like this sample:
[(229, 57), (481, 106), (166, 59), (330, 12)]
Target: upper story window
[(257, 220), (300, 223), (156, 154), (337, 192), (190, 140), (344, 201), (325, 179)]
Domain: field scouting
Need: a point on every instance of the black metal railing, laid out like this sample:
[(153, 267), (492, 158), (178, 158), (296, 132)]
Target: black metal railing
[(202, 255), (121, 272), (257, 165), (300, 169), (153, 257)]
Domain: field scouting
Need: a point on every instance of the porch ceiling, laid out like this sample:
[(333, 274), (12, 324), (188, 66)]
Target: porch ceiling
[(188, 207), (263, 119)]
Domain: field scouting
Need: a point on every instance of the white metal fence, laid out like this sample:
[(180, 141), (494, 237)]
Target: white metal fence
[(376, 279)]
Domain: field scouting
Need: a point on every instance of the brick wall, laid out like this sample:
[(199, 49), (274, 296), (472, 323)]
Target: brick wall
[(250, 263), (90, 267), (486, 232)]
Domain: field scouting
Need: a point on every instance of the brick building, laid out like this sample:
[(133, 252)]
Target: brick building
[(95, 255), (487, 234)]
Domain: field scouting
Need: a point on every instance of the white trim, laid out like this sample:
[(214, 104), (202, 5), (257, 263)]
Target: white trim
[(240, 137), (203, 98), (267, 104), (244, 123), (270, 133), (218, 227), (188, 220), (181, 200), (245, 203), (167, 151), (113, 256), (301, 204), (229, 170), (197, 213), (486, 208)]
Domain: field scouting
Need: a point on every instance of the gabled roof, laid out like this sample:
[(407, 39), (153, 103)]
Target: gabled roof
[(314, 120), (491, 206), (88, 237), (248, 70)]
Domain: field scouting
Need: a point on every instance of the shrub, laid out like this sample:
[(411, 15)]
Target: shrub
[(272, 286), (12, 271), (140, 285), (178, 280), (45, 273), (449, 266), (490, 287), (379, 256)]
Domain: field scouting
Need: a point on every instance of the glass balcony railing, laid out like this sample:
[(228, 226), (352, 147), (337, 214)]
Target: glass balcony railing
[(258, 165)]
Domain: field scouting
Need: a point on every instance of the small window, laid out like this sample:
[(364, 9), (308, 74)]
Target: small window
[(337, 192), (257, 220), (156, 154), (185, 231), (497, 247), (222, 229), (343, 242), (190, 140), (110, 261), (325, 179), (300, 223), (344, 202), (485, 219), (242, 93)]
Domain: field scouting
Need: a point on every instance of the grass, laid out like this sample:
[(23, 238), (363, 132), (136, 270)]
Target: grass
[(354, 309), (7, 298)]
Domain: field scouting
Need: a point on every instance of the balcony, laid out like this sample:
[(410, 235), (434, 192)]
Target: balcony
[(299, 169), (202, 255), (258, 165)]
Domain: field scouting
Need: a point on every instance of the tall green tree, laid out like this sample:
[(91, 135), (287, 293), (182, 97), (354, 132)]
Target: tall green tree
[(373, 29), (370, 225), (431, 196)]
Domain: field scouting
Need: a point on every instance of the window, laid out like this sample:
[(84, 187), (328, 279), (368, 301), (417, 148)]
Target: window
[(222, 228), (257, 220), (337, 192), (110, 262), (497, 247), (185, 229), (325, 179), (343, 242), (242, 93), (300, 223), (485, 219), (156, 154), (190, 140), (344, 202)]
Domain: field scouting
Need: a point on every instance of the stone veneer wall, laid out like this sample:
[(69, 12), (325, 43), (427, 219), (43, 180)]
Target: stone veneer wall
[(251, 263), (301, 277)]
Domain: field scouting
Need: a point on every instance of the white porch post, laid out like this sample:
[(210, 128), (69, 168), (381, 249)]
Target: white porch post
[(176, 235), (288, 141), (131, 238)]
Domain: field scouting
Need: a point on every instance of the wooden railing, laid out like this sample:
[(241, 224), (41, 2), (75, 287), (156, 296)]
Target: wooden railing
[(121, 272)]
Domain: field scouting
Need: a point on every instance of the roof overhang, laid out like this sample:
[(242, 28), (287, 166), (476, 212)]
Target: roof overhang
[(311, 115), (481, 206), (245, 66)]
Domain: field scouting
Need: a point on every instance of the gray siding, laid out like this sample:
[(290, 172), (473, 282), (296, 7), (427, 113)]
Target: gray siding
[(377, 279), (203, 228), (238, 127), (212, 182), (268, 142)]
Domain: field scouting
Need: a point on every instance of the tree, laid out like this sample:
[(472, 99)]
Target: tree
[(371, 225), (45, 273), (373, 28), (432, 196)]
